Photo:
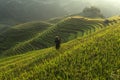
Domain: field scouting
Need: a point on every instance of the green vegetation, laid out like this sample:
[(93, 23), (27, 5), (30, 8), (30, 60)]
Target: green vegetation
[(90, 42), (55, 20), (92, 12), (16, 34), (92, 57), (38, 35), (68, 28)]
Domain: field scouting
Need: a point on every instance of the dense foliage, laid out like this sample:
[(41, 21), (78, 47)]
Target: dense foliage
[(92, 12)]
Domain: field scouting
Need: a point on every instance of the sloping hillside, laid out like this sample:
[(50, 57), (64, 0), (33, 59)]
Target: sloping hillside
[(3, 28), (55, 20), (14, 11), (68, 29), (92, 57), (20, 33)]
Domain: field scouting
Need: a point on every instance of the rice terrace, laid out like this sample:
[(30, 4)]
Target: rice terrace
[(89, 47)]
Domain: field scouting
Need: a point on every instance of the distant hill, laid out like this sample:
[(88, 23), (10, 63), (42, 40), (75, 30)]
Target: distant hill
[(19, 11), (15, 11), (92, 57)]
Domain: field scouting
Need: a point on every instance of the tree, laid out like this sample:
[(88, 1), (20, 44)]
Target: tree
[(92, 12)]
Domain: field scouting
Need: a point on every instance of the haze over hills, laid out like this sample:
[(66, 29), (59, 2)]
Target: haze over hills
[(16, 11), (28, 10)]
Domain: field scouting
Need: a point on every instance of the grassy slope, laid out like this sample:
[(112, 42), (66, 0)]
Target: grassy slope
[(69, 28), (20, 33), (55, 20), (93, 57)]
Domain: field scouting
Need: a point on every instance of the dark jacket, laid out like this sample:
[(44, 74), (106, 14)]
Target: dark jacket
[(57, 42)]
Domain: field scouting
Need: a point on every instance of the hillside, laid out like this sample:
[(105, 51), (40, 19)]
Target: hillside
[(18, 11), (3, 28), (68, 28), (92, 57), (54, 20), (20, 33)]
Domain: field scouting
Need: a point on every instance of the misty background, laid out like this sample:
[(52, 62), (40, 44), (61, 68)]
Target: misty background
[(13, 11)]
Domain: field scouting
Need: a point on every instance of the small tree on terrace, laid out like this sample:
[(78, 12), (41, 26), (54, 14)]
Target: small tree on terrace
[(92, 12)]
